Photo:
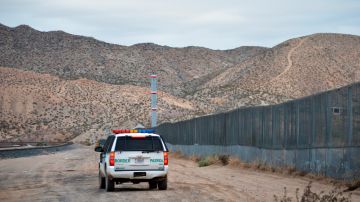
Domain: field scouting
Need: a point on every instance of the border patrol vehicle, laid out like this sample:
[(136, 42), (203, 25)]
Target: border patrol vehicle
[(133, 156)]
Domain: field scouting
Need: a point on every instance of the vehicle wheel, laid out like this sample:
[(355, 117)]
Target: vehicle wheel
[(152, 185), (109, 184), (162, 184), (101, 182)]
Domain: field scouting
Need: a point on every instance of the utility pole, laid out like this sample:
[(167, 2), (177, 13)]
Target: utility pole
[(153, 79)]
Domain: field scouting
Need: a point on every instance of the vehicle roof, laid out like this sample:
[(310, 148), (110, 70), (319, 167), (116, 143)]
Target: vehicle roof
[(136, 134)]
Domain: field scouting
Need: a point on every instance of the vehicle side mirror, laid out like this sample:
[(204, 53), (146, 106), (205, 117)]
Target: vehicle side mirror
[(99, 149)]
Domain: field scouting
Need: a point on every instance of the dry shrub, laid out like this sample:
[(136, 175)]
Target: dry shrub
[(256, 165), (290, 170), (316, 176), (213, 159), (86, 142), (195, 158), (263, 167), (204, 162), (335, 195), (273, 169), (284, 198), (180, 155), (351, 186), (300, 173), (208, 160), (235, 162), (224, 159), (41, 144), (246, 165)]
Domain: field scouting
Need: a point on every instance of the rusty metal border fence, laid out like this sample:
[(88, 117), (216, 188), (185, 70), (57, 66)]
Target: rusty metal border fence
[(328, 120)]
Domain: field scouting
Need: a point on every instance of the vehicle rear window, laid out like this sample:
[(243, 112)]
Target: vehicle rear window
[(148, 143)]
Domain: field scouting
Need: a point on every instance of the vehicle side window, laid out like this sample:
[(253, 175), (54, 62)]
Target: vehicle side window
[(164, 141), (112, 138), (108, 143)]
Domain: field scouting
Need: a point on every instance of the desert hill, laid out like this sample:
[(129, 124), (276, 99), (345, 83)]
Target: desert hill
[(295, 68), (37, 107), (72, 57), (67, 85)]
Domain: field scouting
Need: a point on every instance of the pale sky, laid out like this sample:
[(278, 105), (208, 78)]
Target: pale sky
[(216, 24)]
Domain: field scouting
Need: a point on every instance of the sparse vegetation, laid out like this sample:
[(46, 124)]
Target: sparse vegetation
[(236, 162), (224, 159), (41, 144), (87, 142), (352, 185), (213, 159), (206, 161), (335, 195), (285, 197)]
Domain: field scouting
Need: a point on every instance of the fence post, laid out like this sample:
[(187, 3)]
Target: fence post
[(286, 126), (297, 124), (328, 121), (273, 125), (195, 132), (350, 115), (225, 130), (313, 108)]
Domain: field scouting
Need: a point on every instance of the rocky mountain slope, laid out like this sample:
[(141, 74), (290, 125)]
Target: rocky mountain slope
[(41, 107), (292, 69), (71, 57), (78, 86), (297, 67)]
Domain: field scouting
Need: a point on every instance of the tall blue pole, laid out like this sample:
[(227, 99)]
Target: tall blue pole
[(153, 79)]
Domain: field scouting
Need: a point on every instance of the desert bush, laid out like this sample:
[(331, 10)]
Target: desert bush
[(353, 185), (335, 195), (208, 160), (86, 142), (284, 198), (41, 144), (224, 159), (204, 162), (236, 162), (195, 158)]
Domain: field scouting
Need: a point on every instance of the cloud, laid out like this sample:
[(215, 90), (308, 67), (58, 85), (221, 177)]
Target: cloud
[(211, 23)]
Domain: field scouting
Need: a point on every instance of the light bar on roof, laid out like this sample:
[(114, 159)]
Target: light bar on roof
[(118, 131)]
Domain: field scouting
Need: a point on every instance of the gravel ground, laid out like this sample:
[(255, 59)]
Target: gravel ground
[(71, 175)]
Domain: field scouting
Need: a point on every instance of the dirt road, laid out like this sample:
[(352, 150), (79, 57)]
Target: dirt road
[(72, 176)]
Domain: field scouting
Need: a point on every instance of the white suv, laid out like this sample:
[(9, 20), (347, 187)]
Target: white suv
[(133, 156)]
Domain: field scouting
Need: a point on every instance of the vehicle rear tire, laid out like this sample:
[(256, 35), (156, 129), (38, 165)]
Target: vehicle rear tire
[(152, 185), (109, 184), (101, 182), (162, 184)]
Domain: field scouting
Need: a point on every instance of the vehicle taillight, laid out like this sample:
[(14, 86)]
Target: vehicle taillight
[(166, 159), (112, 158)]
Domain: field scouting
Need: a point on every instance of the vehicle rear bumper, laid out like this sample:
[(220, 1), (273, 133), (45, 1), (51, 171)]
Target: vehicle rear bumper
[(129, 174)]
